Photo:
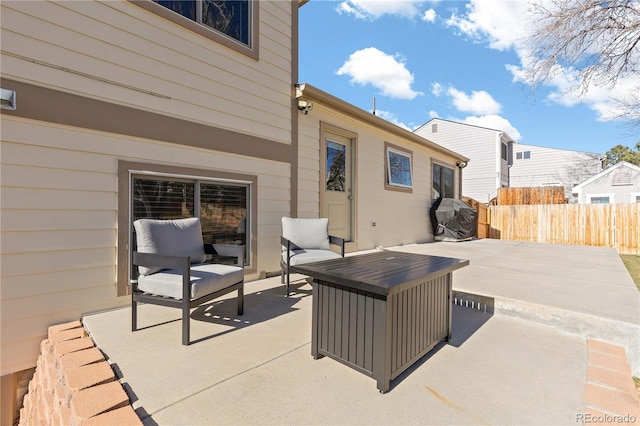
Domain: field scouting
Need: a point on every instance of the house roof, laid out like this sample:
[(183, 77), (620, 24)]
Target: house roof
[(471, 125), (605, 172), (312, 93)]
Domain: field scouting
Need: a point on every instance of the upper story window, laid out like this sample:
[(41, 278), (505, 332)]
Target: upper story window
[(231, 18), (233, 23), (523, 155), (504, 151)]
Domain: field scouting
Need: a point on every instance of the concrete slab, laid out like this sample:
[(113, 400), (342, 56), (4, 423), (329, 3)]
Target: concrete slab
[(523, 361), (258, 369)]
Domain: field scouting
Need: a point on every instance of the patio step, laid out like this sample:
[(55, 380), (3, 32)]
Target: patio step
[(74, 384), (620, 333)]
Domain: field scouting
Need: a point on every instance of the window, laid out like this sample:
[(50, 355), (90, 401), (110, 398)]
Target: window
[(229, 17), (225, 203), (527, 155), (599, 200), (523, 155), (399, 172), (336, 167), (233, 23), (221, 206), (504, 151), (443, 180), (518, 155)]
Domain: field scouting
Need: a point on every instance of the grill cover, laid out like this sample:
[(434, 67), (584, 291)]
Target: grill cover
[(453, 220)]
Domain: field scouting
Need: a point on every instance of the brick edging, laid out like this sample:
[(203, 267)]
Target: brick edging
[(74, 384), (610, 394)]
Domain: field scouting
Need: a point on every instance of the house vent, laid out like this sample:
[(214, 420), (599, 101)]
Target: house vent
[(434, 128), (623, 177)]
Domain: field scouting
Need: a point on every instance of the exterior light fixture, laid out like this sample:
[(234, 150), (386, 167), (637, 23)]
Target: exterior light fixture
[(7, 99)]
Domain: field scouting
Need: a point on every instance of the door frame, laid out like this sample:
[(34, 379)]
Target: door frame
[(326, 129)]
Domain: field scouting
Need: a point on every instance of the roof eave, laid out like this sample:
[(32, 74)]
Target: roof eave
[(314, 94)]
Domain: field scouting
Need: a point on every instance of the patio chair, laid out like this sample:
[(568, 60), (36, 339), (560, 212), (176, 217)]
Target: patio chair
[(172, 270), (305, 241)]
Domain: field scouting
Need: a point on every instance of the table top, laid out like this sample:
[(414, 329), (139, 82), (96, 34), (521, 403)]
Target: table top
[(383, 272)]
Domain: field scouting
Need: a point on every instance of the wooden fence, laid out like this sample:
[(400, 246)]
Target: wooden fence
[(530, 195), (484, 227), (602, 225)]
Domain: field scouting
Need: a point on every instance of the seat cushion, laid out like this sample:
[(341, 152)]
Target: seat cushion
[(206, 278), (307, 233), (179, 237), (307, 256)]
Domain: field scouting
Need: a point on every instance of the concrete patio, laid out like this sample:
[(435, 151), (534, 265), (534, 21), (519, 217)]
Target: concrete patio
[(520, 352)]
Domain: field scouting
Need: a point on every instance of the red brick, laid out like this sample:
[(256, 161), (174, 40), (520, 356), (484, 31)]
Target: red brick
[(610, 378), (607, 348), (88, 376), (97, 399), (80, 358), (72, 346), (64, 326), (61, 336), (611, 401), (124, 416), (609, 362)]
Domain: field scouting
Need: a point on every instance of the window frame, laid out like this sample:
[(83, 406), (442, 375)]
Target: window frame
[(126, 171), (611, 198), (447, 167), (396, 186), (250, 50)]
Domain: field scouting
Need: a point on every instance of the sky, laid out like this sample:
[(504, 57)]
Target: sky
[(456, 60)]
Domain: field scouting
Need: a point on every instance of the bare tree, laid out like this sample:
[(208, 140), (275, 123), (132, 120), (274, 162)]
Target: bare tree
[(599, 39)]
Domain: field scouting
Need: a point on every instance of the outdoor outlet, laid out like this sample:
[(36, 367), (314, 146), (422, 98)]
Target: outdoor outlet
[(373, 224)]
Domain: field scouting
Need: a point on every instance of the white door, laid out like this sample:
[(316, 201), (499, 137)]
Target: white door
[(337, 185)]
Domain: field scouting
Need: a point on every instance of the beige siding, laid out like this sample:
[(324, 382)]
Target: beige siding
[(123, 43), (401, 218), (59, 222)]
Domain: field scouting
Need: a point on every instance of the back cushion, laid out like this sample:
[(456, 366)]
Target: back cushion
[(307, 233), (178, 237)]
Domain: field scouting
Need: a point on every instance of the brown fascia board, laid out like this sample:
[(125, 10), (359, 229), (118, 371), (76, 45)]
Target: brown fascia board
[(302, 2), (314, 94)]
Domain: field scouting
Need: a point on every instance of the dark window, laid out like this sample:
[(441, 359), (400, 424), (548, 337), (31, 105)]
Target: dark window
[(518, 156), (229, 17), (443, 180), (221, 207), (504, 151), (527, 155), (599, 200)]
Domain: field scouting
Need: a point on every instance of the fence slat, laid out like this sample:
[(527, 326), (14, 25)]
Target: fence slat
[(602, 225)]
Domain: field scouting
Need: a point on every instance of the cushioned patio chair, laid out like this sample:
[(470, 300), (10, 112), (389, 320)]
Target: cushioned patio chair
[(172, 271), (305, 241)]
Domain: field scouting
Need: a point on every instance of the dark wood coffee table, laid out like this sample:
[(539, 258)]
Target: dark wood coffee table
[(380, 312)]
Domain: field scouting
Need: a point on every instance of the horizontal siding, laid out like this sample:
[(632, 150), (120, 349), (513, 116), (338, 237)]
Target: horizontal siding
[(480, 179), (122, 42), (550, 166), (401, 218), (59, 221)]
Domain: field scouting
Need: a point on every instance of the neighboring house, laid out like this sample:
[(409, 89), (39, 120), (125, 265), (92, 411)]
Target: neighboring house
[(128, 109), (535, 166), (488, 150), (619, 183), (389, 177)]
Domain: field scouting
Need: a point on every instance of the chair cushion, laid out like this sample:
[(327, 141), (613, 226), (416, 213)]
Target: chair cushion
[(206, 278), (179, 237), (307, 233), (307, 256)]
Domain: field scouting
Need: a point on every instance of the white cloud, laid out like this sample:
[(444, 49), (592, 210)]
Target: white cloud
[(374, 9), (385, 72), (436, 89), (429, 15), (392, 118), (495, 122), (479, 102), (504, 25)]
